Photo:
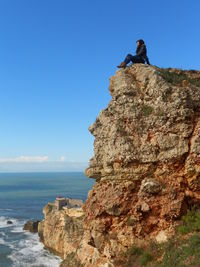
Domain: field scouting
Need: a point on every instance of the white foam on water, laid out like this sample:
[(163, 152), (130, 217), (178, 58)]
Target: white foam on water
[(3, 222), (2, 241), (17, 229), (10, 245), (30, 252), (2, 234)]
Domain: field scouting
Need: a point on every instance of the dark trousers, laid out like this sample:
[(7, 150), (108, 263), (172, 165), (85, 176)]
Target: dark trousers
[(134, 59)]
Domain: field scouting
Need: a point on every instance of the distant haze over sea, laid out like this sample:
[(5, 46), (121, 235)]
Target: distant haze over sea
[(46, 166)]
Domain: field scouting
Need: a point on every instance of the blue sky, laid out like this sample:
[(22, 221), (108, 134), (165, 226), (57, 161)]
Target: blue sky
[(56, 57)]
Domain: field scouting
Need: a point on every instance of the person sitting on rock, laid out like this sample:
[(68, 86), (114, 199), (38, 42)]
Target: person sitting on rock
[(140, 57)]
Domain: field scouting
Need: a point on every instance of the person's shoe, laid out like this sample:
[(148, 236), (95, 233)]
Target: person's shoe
[(122, 65)]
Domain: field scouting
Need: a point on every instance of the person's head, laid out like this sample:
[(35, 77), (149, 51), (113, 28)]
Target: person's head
[(140, 42)]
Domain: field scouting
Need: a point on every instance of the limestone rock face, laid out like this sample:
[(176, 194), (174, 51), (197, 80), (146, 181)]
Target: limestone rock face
[(146, 164), (146, 158)]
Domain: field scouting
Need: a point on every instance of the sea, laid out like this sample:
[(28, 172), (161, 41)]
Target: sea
[(22, 198)]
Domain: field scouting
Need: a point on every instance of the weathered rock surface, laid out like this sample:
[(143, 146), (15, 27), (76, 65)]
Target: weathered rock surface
[(61, 230), (31, 226), (146, 158), (146, 164)]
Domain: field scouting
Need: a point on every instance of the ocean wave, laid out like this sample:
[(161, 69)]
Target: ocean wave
[(30, 252), (17, 229), (2, 241), (4, 220), (2, 234)]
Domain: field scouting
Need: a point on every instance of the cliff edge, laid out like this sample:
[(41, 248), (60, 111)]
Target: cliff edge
[(146, 163)]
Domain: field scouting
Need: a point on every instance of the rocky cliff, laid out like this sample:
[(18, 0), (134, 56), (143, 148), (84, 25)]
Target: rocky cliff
[(146, 164)]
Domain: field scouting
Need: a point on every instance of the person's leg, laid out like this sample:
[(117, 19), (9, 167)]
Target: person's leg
[(127, 60), (137, 59), (147, 61)]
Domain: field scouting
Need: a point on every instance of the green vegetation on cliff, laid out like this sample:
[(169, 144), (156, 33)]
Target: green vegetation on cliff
[(178, 77), (182, 250)]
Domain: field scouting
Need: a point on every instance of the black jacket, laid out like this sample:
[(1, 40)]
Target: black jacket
[(142, 52)]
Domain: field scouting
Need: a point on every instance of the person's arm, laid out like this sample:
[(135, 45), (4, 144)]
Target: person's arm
[(142, 51)]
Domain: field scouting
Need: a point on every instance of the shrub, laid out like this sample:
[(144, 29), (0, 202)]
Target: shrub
[(147, 110), (145, 258), (137, 256), (135, 251), (177, 78), (131, 221), (190, 222)]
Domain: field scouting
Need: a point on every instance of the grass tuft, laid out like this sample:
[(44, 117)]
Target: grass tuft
[(182, 250), (190, 222), (147, 110), (177, 79)]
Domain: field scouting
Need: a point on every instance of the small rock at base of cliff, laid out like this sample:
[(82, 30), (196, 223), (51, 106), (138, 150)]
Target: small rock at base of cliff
[(31, 226)]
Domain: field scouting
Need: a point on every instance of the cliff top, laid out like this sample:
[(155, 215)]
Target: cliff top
[(150, 119)]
